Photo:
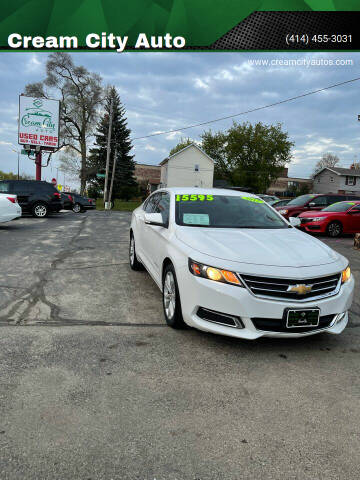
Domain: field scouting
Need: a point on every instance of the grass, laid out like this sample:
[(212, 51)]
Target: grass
[(120, 205)]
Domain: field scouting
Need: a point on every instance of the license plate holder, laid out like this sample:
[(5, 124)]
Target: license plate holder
[(302, 317)]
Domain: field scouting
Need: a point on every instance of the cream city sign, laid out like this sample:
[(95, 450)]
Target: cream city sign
[(39, 122)]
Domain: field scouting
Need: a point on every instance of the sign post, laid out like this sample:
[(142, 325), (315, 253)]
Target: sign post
[(39, 120)]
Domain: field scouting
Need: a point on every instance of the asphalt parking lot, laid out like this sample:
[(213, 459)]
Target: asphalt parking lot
[(95, 386)]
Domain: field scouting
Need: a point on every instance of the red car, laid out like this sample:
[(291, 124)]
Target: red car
[(312, 202), (341, 217)]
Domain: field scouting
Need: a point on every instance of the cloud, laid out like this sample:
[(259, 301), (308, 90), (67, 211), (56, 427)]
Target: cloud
[(150, 147), (201, 84), (33, 65)]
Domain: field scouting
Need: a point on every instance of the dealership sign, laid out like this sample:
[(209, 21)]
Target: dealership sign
[(39, 122)]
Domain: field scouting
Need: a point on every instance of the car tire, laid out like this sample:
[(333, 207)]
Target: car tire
[(77, 208), (39, 210), (334, 229), (134, 262), (171, 299)]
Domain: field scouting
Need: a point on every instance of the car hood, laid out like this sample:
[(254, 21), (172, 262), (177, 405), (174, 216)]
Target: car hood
[(286, 247), (289, 207), (313, 214)]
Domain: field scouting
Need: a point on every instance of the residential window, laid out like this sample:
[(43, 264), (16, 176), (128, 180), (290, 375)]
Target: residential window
[(197, 167), (350, 180), (331, 179)]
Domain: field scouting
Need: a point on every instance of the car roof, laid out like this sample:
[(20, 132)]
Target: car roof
[(205, 191)]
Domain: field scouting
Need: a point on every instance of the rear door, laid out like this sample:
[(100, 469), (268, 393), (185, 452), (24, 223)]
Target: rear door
[(156, 237), (23, 190), (140, 228)]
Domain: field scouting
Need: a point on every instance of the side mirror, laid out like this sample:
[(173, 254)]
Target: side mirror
[(154, 219), (294, 221)]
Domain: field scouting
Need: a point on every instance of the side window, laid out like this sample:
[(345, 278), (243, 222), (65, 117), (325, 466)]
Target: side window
[(320, 201), (151, 201), (163, 206), (333, 199), (4, 187), (356, 209), (25, 187)]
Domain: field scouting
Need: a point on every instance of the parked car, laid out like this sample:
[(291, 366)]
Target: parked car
[(228, 263), (341, 217), (312, 202), (270, 199), (82, 203), (280, 203), (35, 197), (9, 207), (67, 199)]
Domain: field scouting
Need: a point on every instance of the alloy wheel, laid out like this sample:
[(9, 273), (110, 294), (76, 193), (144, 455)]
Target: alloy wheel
[(40, 210), (334, 229), (169, 295), (76, 208)]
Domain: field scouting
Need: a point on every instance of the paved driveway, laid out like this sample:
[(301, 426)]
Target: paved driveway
[(94, 386)]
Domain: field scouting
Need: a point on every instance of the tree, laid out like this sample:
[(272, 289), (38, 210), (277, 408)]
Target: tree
[(184, 142), (249, 155), (80, 93), (13, 176), (120, 144), (328, 160)]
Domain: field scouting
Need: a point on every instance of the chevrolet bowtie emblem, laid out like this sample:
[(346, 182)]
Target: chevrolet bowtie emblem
[(299, 289)]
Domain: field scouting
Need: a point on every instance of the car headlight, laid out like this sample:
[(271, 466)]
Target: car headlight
[(317, 219), (345, 275), (283, 211), (213, 273)]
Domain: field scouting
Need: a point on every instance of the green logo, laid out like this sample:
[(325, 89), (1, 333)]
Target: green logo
[(38, 118)]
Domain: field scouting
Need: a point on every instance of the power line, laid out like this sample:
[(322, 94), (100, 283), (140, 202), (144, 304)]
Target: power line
[(251, 110)]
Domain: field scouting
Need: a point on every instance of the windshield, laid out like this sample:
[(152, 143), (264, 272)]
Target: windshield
[(299, 201), (339, 207), (225, 211)]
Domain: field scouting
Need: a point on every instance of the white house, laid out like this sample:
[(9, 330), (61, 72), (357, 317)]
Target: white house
[(189, 167), (337, 180)]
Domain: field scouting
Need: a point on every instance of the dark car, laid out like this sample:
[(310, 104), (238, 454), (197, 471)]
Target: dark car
[(82, 203), (312, 202), (67, 200), (36, 197)]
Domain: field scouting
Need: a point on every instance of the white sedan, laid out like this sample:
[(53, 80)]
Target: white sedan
[(9, 207), (228, 263)]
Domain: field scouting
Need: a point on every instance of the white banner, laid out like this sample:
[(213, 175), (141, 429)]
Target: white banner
[(38, 122)]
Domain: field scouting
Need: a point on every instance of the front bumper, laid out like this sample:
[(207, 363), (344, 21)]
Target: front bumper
[(239, 302), (313, 227)]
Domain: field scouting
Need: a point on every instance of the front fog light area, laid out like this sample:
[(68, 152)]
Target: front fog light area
[(219, 318), (339, 317)]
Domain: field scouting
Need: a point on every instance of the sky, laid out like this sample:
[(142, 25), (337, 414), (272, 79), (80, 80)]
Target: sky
[(170, 90)]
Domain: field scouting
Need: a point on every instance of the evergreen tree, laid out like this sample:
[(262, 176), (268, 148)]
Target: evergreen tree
[(120, 143)]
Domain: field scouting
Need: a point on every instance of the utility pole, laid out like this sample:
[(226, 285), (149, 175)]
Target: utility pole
[(112, 177), (106, 194), (38, 165)]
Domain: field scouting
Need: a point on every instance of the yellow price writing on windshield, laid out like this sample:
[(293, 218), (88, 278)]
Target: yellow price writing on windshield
[(194, 198)]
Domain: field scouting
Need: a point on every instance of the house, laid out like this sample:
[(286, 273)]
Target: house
[(337, 180), (284, 186), (189, 167), (148, 176)]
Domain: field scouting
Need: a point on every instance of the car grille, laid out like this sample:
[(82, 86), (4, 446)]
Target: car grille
[(278, 287), (278, 325)]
